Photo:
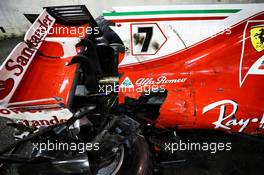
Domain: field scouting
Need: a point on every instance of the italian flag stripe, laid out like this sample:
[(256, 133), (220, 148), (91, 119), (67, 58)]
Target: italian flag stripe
[(170, 19), (171, 12)]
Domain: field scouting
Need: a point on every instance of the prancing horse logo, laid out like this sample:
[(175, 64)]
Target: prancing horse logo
[(257, 37), (252, 55)]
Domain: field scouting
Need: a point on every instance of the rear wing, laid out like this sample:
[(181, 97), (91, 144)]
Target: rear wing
[(71, 15), (35, 75), (17, 63)]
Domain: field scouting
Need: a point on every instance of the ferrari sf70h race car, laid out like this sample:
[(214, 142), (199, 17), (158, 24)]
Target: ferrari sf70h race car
[(102, 96)]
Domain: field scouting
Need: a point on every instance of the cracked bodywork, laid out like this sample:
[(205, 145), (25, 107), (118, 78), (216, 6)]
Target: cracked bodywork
[(195, 66), (219, 59), (161, 75)]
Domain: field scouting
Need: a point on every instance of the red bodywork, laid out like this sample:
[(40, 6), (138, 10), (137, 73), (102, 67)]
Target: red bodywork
[(51, 76), (212, 70)]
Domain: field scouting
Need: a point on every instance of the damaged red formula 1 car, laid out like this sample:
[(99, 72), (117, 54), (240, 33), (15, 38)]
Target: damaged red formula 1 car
[(97, 96)]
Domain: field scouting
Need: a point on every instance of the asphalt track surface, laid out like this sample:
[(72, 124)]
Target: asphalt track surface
[(245, 158)]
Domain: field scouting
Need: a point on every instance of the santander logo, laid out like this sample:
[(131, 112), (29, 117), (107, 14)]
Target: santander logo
[(16, 64)]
